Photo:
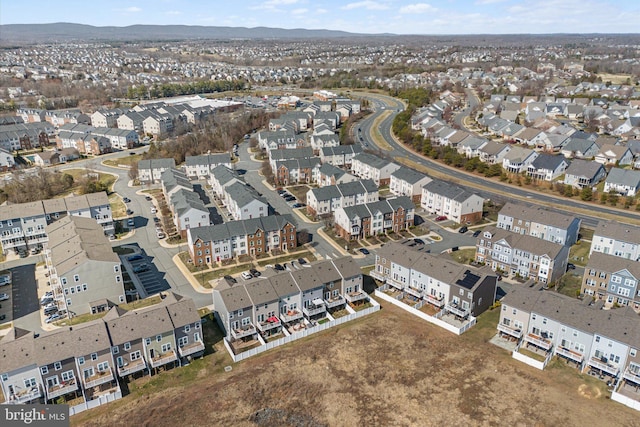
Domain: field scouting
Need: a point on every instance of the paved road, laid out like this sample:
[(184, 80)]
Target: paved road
[(489, 189)]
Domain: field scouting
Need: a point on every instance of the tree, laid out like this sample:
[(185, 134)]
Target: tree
[(133, 171), (568, 191), (586, 194)]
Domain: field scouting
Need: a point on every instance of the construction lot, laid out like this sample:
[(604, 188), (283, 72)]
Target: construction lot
[(389, 368)]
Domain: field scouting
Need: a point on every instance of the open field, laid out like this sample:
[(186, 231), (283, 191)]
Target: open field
[(387, 369), (616, 79)]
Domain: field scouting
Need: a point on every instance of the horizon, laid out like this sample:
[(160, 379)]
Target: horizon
[(394, 17)]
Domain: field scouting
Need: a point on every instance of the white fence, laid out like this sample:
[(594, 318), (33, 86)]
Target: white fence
[(424, 316), (529, 360), (304, 333), (627, 401), (101, 400)]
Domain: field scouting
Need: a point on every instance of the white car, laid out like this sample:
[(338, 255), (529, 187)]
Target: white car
[(153, 210), (53, 318), (246, 275), (161, 235), (4, 297)]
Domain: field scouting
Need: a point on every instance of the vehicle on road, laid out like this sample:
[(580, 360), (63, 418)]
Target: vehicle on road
[(141, 268), (246, 275), (156, 219), (148, 198), (298, 205), (441, 218), (134, 257), (255, 273), (4, 297), (53, 318), (463, 229), (161, 235), (126, 200), (129, 212), (364, 251), (476, 233)]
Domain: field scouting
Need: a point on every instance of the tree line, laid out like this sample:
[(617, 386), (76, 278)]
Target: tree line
[(176, 89)]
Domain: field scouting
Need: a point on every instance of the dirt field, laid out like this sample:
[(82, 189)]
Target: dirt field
[(387, 369)]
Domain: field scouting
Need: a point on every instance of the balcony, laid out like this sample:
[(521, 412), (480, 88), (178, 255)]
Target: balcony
[(131, 368), (316, 307), (399, 286), (377, 276), (516, 333), (189, 349), (100, 378), (62, 389), (632, 376), (334, 301), (569, 354), (434, 300), (291, 316), (26, 396), (411, 291), (543, 343), (356, 296), (163, 359), (244, 331), (455, 309), (603, 366), (271, 323)]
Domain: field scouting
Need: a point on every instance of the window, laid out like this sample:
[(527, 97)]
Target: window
[(196, 337), (135, 355), (187, 328), (5, 377), (81, 360), (120, 362), (597, 338), (197, 325), (115, 350), (127, 346), (166, 347), (633, 352), (57, 366), (84, 286), (158, 338), (68, 301), (78, 288), (94, 356), (183, 341), (116, 268), (63, 280), (29, 382), (44, 370), (67, 376), (240, 312), (103, 366)]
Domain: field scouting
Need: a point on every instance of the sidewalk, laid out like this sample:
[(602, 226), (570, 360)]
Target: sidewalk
[(189, 276), (303, 217)]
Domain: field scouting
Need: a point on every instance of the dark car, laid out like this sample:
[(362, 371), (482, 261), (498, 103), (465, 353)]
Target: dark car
[(230, 279), (441, 218), (476, 233), (279, 267), (134, 257), (364, 251), (463, 229), (254, 272), (148, 198), (419, 241), (571, 266), (141, 268), (126, 200), (298, 205), (285, 194), (301, 261), (290, 198)]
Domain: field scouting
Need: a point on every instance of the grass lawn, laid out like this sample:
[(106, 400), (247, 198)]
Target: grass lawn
[(118, 207), (377, 136), (579, 253), (586, 233), (121, 250), (464, 256), (290, 257), (360, 307), (176, 240), (141, 303), (79, 319), (205, 277), (531, 354), (300, 192), (570, 284), (184, 257), (339, 313), (105, 178), (123, 161)]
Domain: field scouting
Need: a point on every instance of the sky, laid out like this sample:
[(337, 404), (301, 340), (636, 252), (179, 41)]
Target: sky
[(357, 16)]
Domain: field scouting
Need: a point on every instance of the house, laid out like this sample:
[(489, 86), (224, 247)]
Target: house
[(321, 141), (289, 154), (187, 327), (173, 180), (325, 200), (521, 255), (584, 173), (234, 313), (7, 161), (470, 146), (68, 155), (329, 174), (46, 158), (539, 222), (613, 280), (149, 171), (220, 178), (368, 166), (243, 202), (518, 159), (84, 271), (106, 118), (617, 239), (408, 182), (579, 148), (157, 124), (493, 152), (188, 211), (456, 203), (531, 136), (213, 243), (20, 376), (625, 182), (200, 167), (341, 155), (614, 155), (370, 219), (277, 140), (449, 286), (297, 171), (547, 167)]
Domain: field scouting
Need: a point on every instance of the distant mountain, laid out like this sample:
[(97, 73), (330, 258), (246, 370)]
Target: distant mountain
[(58, 32)]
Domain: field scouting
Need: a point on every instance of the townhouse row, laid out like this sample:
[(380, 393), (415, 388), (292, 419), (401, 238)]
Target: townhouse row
[(326, 200), (187, 209), (95, 140), (370, 219), (22, 225), (89, 360), (288, 300), (256, 236), (240, 199)]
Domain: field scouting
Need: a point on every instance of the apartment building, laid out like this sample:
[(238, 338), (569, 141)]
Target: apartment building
[(539, 222), (297, 171), (613, 280), (456, 203), (325, 200), (617, 239), (370, 219)]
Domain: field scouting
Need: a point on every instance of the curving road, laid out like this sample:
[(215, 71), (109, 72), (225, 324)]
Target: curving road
[(488, 189)]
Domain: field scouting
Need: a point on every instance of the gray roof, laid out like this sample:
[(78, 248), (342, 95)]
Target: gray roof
[(136, 324), (208, 159), (283, 284), (218, 232), (291, 153), (71, 342), (243, 194), (619, 231), (578, 144), (156, 164), (17, 350), (628, 177), (524, 242), (612, 264), (223, 174), (537, 214), (71, 203), (184, 200), (371, 160), (548, 161), (345, 189), (328, 169), (261, 292), (448, 190), (584, 168), (408, 175), (383, 206), (341, 150)]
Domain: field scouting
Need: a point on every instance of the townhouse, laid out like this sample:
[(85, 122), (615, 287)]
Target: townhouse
[(188, 211), (95, 140), (613, 280), (617, 239), (288, 154), (322, 141), (370, 219), (368, 166), (325, 200), (210, 244), (297, 171), (539, 222), (220, 178), (408, 182), (150, 170), (20, 376), (458, 289), (200, 167), (519, 255), (22, 225), (547, 167), (625, 182), (329, 174), (341, 155), (287, 300), (106, 118), (278, 140), (84, 272), (456, 203), (25, 136), (584, 173), (243, 202)]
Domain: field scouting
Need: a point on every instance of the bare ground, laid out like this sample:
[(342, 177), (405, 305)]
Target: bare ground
[(388, 369)]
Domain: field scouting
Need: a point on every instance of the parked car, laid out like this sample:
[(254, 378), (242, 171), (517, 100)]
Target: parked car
[(53, 318), (161, 235), (278, 267), (441, 218), (281, 191), (156, 219), (46, 300), (134, 257), (463, 229), (148, 198), (131, 222), (290, 198), (126, 200), (50, 310), (285, 194), (129, 212), (141, 268), (476, 233), (230, 279), (571, 266), (364, 251), (302, 261), (23, 254), (4, 297), (246, 275), (154, 210), (419, 241), (255, 273)]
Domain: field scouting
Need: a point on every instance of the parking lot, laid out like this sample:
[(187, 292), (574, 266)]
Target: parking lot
[(23, 293), (141, 267)]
